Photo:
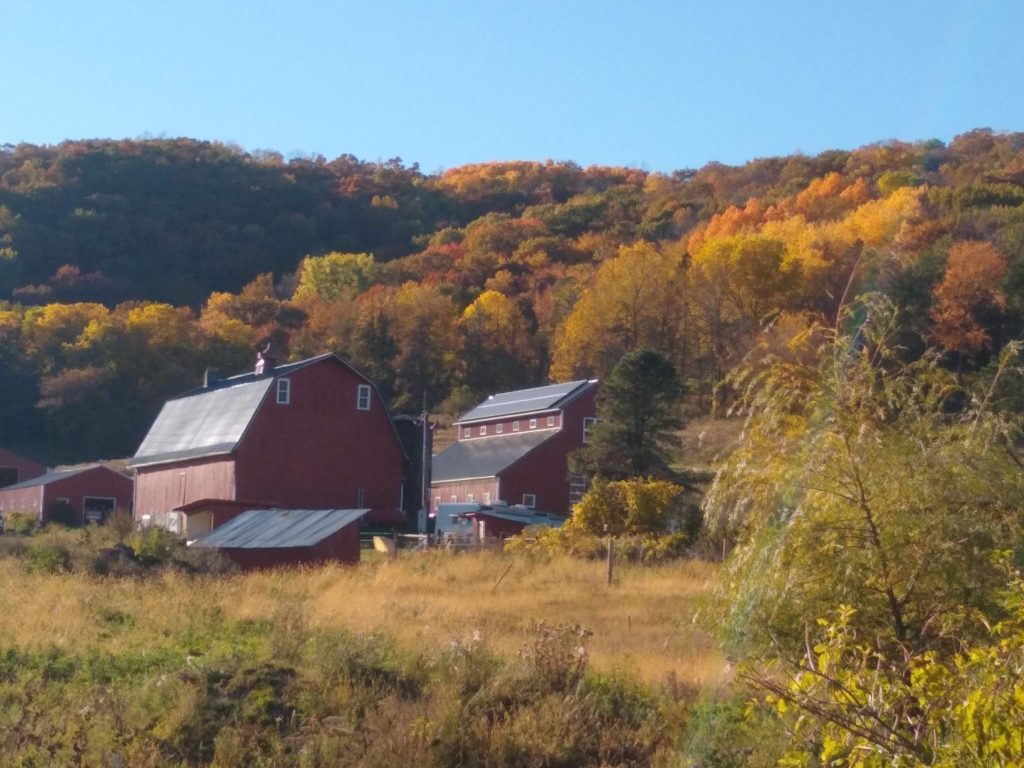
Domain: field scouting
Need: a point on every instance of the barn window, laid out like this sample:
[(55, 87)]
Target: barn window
[(499, 428), (363, 397), (588, 424), (437, 502), (533, 423), (530, 500), (483, 430), (284, 391), (467, 432), (470, 497), (577, 487), (515, 426), (487, 497), (551, 421), (454, 498)]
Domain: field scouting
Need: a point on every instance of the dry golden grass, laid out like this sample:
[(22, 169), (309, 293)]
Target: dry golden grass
[(644, 624)]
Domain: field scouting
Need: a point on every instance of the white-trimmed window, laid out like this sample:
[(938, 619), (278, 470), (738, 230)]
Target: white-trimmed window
[(437, 502), (499, 428), (284, 391), (487, 497), (453, 498), (483, 430), (467, 432), (470, 497), (533, 423), (588, 424), (577, 487), (551, 421), (529, 500), (515, 426), (363, 397)]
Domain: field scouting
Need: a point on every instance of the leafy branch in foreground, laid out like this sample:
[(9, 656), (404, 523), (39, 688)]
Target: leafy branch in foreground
[(878, 483)]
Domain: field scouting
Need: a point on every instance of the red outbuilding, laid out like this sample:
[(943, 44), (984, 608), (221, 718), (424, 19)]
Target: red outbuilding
[(15, 468), (274, 538), (314, 434), (86, 494), (514, 447)]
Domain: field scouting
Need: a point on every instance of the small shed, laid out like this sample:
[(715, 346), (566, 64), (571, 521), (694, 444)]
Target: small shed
[(204, 515), (272, 538), (85, 494), (16, 469), (504, 521)]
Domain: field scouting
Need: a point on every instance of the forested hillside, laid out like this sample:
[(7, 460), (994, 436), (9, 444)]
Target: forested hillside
[(127, 268)]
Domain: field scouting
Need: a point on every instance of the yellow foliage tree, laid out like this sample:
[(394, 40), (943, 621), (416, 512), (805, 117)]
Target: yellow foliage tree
[(636, 299)]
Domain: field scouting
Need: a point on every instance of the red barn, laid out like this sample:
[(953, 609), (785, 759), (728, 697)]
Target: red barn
[(514, 447), (15, 468), (308, 435), (273, 538), (73, 495)]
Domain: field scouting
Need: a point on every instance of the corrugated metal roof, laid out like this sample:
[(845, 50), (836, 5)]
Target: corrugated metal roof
[(484, 457), (205, 424), (518, 515), (524, 401), (279, 528), (46, 479)]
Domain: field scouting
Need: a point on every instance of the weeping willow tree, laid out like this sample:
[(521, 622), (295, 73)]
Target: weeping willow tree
[(871, 483)]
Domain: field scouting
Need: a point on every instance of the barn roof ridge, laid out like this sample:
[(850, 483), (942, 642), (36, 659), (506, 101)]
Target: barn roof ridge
[(51, 477), (521, 402), (475, 459)]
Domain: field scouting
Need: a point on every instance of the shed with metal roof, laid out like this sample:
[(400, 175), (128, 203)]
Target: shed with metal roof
[(273, 538), (77, 495)]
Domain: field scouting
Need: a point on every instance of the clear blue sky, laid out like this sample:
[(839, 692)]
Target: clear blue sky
[(659, 85)]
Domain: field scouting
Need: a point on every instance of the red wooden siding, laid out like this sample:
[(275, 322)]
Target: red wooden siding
[(544, 471), (161, 488), (462, 489), (319, 450), (342, 546), (39, 500), (24, 469), (508, 426)]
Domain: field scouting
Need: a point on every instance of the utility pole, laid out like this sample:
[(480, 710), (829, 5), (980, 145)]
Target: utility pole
[(424, 468)]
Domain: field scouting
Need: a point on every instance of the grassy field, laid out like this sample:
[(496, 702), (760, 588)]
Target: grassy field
[(646, 622)]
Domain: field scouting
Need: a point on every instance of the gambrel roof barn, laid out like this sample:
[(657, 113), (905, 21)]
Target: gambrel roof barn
[(313, 434)]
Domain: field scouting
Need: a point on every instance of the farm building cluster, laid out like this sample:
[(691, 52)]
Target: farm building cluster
[(287, 463)]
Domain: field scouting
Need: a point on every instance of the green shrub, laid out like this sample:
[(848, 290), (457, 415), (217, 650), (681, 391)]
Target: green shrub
[(155, 546), (22, 523), (47, 556), (731, 733)]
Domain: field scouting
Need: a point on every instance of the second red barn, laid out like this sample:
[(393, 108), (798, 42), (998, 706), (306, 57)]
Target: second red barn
[(514, 447)]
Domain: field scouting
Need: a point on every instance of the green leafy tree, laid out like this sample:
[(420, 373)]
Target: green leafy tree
[(638, 412), (876, 483)]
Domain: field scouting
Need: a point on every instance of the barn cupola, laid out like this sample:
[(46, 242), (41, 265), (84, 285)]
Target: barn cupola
[(265, 360)]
